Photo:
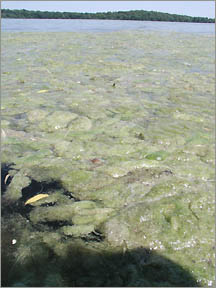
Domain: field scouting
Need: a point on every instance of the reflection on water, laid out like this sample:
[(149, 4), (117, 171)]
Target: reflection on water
[(77, 25)]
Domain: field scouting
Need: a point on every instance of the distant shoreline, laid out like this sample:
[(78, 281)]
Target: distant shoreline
[(134, 15)]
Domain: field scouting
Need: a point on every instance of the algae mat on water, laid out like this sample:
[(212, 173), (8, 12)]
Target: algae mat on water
[(117, 130)]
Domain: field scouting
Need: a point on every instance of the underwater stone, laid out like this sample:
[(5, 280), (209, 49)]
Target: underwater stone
[(80, 212), (82, 123), (48, 170), (187, 117), (175, 223), (19, 181), (164, 189), (124, 167), (51, 238), (75, 178), (159, 155), (96, 216), (57, 120), (82, 182), (77, 230), (36, 115), (117, 172), (108, 193), (33, 158), (116, 232), (49, 214), (66, 149), (80, 205)]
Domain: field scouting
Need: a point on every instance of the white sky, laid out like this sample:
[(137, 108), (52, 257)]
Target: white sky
[(191, 8)]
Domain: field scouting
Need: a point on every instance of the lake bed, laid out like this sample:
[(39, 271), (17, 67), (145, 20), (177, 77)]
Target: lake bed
[(117, 128)]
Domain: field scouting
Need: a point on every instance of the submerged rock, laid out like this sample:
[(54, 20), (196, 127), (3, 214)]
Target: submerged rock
[(71, 150), (36, 115), (80, 124), (19, 181), (116, 232), (57, 120), (78, 230), (79, 213), (159, 155)]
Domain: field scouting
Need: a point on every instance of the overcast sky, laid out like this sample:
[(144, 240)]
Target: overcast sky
[(191, 8)]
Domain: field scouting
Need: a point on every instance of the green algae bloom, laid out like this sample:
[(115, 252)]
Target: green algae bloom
[(145, 209)]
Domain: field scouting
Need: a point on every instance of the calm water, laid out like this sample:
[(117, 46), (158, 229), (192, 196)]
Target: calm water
[(125, 167), (77, 25)]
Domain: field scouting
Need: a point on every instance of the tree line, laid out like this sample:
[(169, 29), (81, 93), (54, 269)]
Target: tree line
[(140, 15)]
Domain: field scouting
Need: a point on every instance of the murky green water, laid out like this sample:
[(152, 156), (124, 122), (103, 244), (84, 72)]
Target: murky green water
[(117, 129)]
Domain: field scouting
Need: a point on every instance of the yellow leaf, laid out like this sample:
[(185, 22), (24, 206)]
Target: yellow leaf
[(42, 91), (36, 198), (7, 176)]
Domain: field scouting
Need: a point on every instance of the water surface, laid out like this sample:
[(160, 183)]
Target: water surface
[(77, 25), (116, 129)]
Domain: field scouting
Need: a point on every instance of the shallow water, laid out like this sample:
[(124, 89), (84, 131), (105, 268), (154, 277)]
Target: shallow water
[(117, 129)]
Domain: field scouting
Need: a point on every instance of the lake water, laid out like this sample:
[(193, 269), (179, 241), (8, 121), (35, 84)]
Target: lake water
[(107, 154), (77, 25)]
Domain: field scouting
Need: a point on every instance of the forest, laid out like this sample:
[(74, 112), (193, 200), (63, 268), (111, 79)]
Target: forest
[(140, 15)]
